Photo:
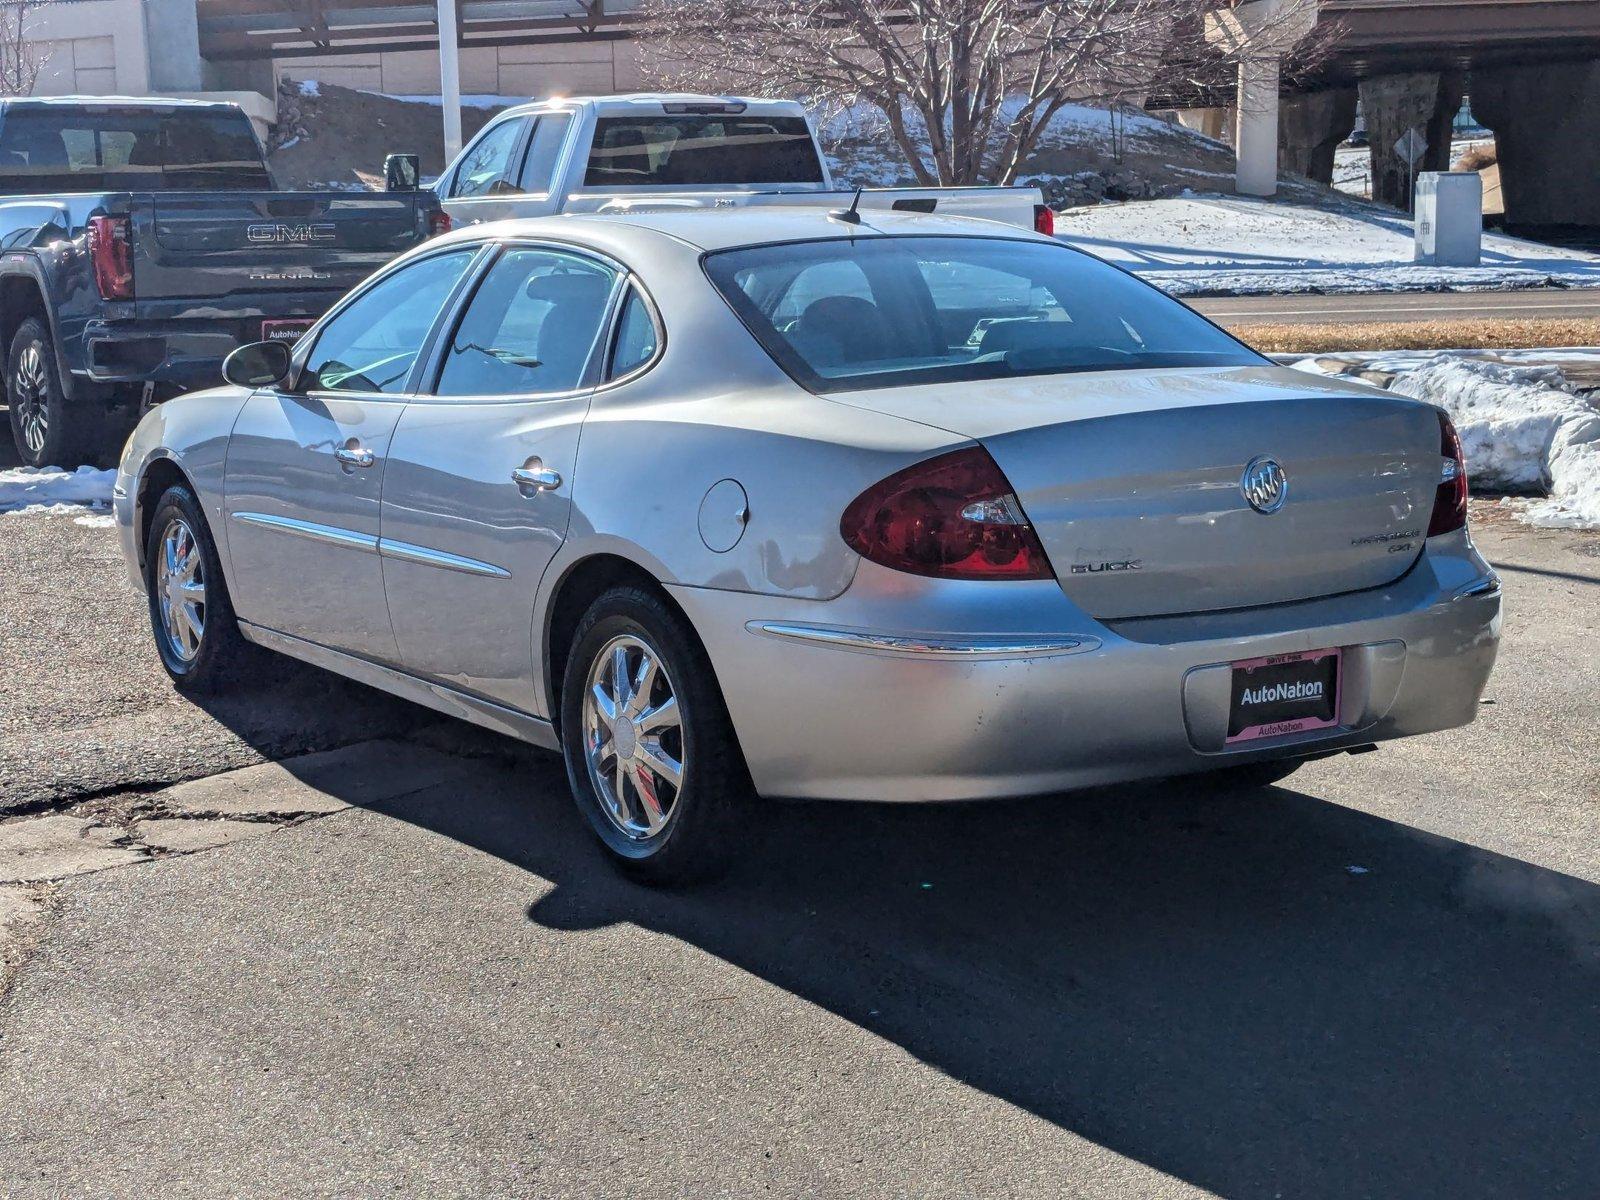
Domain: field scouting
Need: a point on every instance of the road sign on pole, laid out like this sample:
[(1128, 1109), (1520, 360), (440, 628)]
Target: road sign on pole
[(1411, 147)]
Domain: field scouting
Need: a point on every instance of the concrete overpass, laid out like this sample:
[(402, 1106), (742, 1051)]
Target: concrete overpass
[(1532, 68)]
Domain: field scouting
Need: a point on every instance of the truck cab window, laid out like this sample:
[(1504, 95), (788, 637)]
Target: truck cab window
[(486, 166)]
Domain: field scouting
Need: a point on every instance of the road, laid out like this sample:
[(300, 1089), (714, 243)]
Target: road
[(1400, 306), (1380, 978)]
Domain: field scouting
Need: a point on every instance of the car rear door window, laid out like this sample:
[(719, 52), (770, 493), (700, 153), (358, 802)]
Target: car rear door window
[(485, 168), (636, 339), (530, 327), (372, 343)]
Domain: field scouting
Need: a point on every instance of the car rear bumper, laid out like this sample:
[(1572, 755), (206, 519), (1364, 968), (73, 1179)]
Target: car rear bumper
[(912, 689)]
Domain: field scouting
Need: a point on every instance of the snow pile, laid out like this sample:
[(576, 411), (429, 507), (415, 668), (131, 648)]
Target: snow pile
[(1216, 244), (52, 490), (1523, 429)]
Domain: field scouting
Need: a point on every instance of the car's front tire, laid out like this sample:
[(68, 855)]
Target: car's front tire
[(191, 613), (651, 755)]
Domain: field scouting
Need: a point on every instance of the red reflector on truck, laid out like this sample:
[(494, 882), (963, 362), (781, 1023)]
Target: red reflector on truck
[(1044, 220)]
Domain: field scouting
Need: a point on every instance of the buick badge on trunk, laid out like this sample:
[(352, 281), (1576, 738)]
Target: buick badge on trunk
[(1264, 484)]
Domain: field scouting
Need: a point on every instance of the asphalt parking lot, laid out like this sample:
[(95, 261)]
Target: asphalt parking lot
[(393, 963)]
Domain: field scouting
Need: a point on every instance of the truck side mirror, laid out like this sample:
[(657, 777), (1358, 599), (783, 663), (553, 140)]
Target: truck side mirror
[(259, 364), (401, 172)]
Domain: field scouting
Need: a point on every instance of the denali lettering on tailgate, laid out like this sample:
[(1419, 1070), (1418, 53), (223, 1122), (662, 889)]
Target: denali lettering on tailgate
[(277, 233)]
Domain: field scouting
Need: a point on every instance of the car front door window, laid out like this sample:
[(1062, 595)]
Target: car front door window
[(531, 326), (371, 345)]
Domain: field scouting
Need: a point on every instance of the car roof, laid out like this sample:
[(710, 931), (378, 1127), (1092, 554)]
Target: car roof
[(753, 225)]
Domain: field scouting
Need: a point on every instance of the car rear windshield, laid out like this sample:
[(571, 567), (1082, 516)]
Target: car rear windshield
[(871, 312), (662, 151), (102, 149)]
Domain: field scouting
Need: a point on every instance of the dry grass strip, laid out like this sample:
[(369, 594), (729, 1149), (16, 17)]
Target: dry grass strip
[(1421, 335)]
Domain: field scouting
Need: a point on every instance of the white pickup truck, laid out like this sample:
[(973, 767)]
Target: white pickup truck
[(627, 153)]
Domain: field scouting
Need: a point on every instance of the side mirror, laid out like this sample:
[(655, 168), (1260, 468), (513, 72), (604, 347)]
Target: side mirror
[(259, 364), (401, 172)]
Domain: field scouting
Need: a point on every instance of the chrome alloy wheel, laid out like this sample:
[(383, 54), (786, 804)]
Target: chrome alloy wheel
[(633, 737), (180, 587), (30, 393)]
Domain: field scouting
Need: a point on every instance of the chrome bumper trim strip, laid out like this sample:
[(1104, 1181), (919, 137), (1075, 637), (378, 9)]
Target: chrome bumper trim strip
[(924, 645)]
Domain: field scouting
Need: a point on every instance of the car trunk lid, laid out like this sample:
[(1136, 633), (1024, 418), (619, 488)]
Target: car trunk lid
[(1133, 481)]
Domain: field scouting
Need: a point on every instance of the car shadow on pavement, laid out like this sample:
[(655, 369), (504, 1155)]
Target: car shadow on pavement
[(1259, 992)]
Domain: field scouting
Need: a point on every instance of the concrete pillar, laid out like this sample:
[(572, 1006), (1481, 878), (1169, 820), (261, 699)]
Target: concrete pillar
[(1310, 128), (1255, 140), (172, 41), (1211, 122), (450, 78), (1258, 35), (1546, 122), (1426, 101)]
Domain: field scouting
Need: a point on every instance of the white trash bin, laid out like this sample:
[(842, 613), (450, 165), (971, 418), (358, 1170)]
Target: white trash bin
[(1449, 218)]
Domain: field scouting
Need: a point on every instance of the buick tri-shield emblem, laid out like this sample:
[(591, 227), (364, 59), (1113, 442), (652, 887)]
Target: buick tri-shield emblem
[(1264, 484)]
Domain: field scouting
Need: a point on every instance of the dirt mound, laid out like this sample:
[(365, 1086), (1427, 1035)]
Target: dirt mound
[(330, 136)]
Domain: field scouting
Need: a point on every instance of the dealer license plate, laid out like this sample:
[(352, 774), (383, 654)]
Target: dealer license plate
[(1284, 693), (284, 330)]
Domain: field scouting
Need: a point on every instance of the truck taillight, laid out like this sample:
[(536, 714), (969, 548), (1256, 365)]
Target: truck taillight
[(111, 256), (438, 222), (1450, 501), (951, 517), (1044, 220)]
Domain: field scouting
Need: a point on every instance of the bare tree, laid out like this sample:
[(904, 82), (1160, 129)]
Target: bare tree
[(20, 59), (966, 87)]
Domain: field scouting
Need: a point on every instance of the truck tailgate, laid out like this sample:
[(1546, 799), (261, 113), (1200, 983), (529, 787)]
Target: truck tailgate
[(216, 245)]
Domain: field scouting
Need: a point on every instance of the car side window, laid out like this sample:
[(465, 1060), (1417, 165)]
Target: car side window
[(371, 344), (544, 147), (531, 326), (636, 340), (485, 168)]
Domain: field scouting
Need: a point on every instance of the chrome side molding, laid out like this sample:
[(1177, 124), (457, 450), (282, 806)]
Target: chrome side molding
[(406, 552), (930, 645), (329, 534), (387, 547)]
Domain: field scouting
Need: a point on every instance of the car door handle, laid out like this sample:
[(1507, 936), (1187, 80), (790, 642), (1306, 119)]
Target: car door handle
[(355, 456), (531, 481)]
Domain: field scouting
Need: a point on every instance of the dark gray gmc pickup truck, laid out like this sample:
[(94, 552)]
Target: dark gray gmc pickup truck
[(141, 241)]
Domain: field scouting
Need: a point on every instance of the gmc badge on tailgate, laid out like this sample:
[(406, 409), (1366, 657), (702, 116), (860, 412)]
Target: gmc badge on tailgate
[(278, 234)]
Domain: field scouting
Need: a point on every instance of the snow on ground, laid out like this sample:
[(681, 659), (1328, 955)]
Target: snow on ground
[(53, 490), (1523, 426), (1220, 244), (471, 100)]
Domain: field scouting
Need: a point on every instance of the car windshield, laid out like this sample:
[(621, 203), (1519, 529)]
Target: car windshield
[(98, 148), (870, 312), (701, 150)]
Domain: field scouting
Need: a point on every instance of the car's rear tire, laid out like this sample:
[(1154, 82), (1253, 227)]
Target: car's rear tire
[(651, 754), (191, 613), (49, 430)]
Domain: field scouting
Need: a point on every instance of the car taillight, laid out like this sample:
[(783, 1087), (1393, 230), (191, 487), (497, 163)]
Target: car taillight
[(438, 222), (1044, 220), (111, 256), (951, 517), (1450, 501)]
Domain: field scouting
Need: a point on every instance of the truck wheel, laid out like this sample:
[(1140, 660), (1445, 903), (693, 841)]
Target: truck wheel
[(48, 431)]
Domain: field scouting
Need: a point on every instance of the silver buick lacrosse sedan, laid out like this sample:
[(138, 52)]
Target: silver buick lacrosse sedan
[(733, 506)]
